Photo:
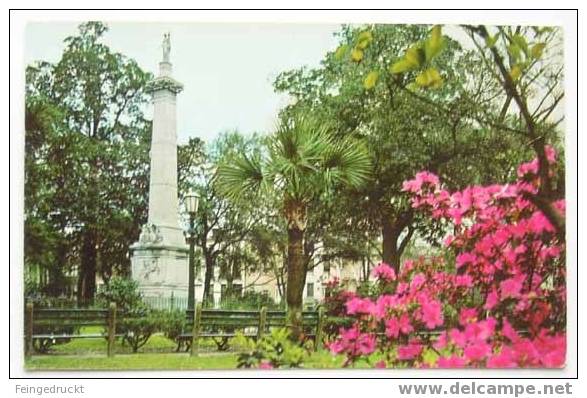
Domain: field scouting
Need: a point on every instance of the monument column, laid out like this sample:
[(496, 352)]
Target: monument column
[(159, 259)]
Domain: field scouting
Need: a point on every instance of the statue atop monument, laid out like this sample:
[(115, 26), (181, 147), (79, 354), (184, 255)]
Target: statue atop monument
[(166, 46)]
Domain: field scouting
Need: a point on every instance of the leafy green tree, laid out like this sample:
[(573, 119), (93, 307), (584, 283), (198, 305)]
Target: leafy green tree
[(87, 160), (527, 64), (303, 162), (222, 226), (406, 126)]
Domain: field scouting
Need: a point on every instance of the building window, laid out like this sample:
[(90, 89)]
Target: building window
[(310, 290), (237, 289)]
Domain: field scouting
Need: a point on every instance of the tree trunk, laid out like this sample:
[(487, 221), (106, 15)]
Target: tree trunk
[(391, 253), (208, 296), (86, 284), (296, 276)]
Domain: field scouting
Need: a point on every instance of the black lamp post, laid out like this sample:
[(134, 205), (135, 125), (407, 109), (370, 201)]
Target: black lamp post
[(191, 206)]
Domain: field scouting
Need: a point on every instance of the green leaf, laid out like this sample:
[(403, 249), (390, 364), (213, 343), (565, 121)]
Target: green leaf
[(521, 42), (430, 78), (491, 40), (371, 80), (515, 52), (434, 44), (357, 55), (341, 52), (537, 50), (429, 357)]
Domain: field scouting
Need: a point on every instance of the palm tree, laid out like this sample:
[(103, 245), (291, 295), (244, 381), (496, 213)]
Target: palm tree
[(304, 160)]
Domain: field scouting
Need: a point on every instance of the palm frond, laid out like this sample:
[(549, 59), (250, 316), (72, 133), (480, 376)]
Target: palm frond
[(242, 175), (347, 162)]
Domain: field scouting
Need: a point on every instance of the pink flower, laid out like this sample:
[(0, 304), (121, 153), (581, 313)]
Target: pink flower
[(511, 287), (380, 364), (394, 326), (550, 154), (441, 341), (467, 315), (366, 344), (477, 351), (265, 365), (505, 359), (417, 281), (383, 305), (384, 272), (481, 330), (410, 351), (336, 347), (457, 337), (358, 305), (491, 300), (526, 352), (402, 287), (528, 168), (423, 178), (464, 281), (465, 258), (508, 331), (432, 314), (453, 361)]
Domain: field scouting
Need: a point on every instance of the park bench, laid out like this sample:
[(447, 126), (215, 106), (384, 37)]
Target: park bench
[(222, 325), (45, 326), (40, 322)]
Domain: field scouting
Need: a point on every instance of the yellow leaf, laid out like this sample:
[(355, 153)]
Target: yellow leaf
[(357, 55), (371, 80), (411, 60), (365, 38), (537, 50), (430, 78), (434, 43), (516, 72), (414, 56)]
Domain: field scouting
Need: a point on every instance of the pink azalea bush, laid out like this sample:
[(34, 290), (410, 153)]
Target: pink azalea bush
[(501, 302)]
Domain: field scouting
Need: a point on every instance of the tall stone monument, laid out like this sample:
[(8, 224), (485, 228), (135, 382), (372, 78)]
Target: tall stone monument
[(159, 260)]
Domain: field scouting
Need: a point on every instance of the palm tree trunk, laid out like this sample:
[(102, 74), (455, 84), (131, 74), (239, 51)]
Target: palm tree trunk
[(295, 213), (296, 275)]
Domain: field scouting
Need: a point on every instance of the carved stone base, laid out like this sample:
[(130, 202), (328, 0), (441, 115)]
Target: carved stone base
[(160, 270)]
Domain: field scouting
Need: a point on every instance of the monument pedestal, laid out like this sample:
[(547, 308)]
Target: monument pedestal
[(160, 269)]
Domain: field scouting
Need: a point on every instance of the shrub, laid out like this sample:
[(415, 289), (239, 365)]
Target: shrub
[(122, 291), (504, 306), (274, 350), (250, 300), (173, 324), (137, 321), (138, 326)]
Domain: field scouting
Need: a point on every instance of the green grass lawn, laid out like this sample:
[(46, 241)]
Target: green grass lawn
[(159, 353), (160, 361), (140, 361)]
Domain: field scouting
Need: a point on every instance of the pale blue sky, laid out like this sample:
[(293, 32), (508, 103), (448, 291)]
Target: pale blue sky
[(226, 68)]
